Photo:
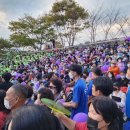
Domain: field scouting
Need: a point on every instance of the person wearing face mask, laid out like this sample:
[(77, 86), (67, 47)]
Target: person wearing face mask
[(109, 60), (41, 85), (101, 61), (120, 63), (111, 76), (66, 77), (15, 96), (104, 114), (118, 96), (94, 61), (80, 96), (114, 68), (35, 81), (123, 81)]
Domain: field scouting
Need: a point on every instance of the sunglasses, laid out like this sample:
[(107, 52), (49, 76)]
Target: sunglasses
[(52, 87)]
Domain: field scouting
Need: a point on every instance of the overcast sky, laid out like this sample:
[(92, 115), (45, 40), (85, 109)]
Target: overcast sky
[(14, 9)]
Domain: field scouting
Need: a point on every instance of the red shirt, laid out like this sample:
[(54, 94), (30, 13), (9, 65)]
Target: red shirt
[(115, 70), (81, 126), (2, 119)]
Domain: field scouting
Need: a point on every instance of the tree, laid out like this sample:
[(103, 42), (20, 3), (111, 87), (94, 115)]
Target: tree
[(4, 46), (43, 32), (68, 19), (29, 31), (108, 23), (95, 19), (122, 26), (111, 18), (22, 31)]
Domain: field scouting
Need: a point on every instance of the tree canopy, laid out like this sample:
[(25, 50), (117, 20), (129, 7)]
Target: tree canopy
[(68, 18), (29, 31)]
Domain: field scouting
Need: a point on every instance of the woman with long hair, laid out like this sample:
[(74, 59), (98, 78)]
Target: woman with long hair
[(104, 114)]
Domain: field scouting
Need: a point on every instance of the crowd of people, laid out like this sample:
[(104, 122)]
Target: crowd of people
[(92, 82)]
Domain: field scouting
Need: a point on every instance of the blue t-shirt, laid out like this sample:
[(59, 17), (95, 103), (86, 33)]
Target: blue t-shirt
[(90, 85), (80, 96), (128, 103)]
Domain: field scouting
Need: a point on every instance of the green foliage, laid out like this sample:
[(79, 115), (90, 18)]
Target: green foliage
[(29, 31), (4, 44), (65, 20), (68, 18)]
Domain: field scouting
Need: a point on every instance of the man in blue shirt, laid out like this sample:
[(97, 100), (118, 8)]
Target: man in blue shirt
[(128, 102), (96, 72), (80, 96)]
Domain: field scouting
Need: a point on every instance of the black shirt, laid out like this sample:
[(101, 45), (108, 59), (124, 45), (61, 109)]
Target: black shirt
[(123, 82), (5, 86)]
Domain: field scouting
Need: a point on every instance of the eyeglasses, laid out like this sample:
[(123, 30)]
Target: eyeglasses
[(52, 87)]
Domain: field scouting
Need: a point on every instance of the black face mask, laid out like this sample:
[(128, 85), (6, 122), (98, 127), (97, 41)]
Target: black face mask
[(92, 124)]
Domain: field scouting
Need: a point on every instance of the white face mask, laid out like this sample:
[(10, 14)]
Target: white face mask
[(112, 65), (93, 61), (71, 76), (101, 60), (128, 65), (6, 104), (123, 76), (55, 71), (110, 75), (42, 86), (109, 60)]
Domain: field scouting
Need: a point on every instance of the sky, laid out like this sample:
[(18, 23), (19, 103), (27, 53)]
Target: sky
[(14, 9)]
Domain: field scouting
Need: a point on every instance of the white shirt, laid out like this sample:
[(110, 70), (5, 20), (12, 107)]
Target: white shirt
[(122, 96)]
